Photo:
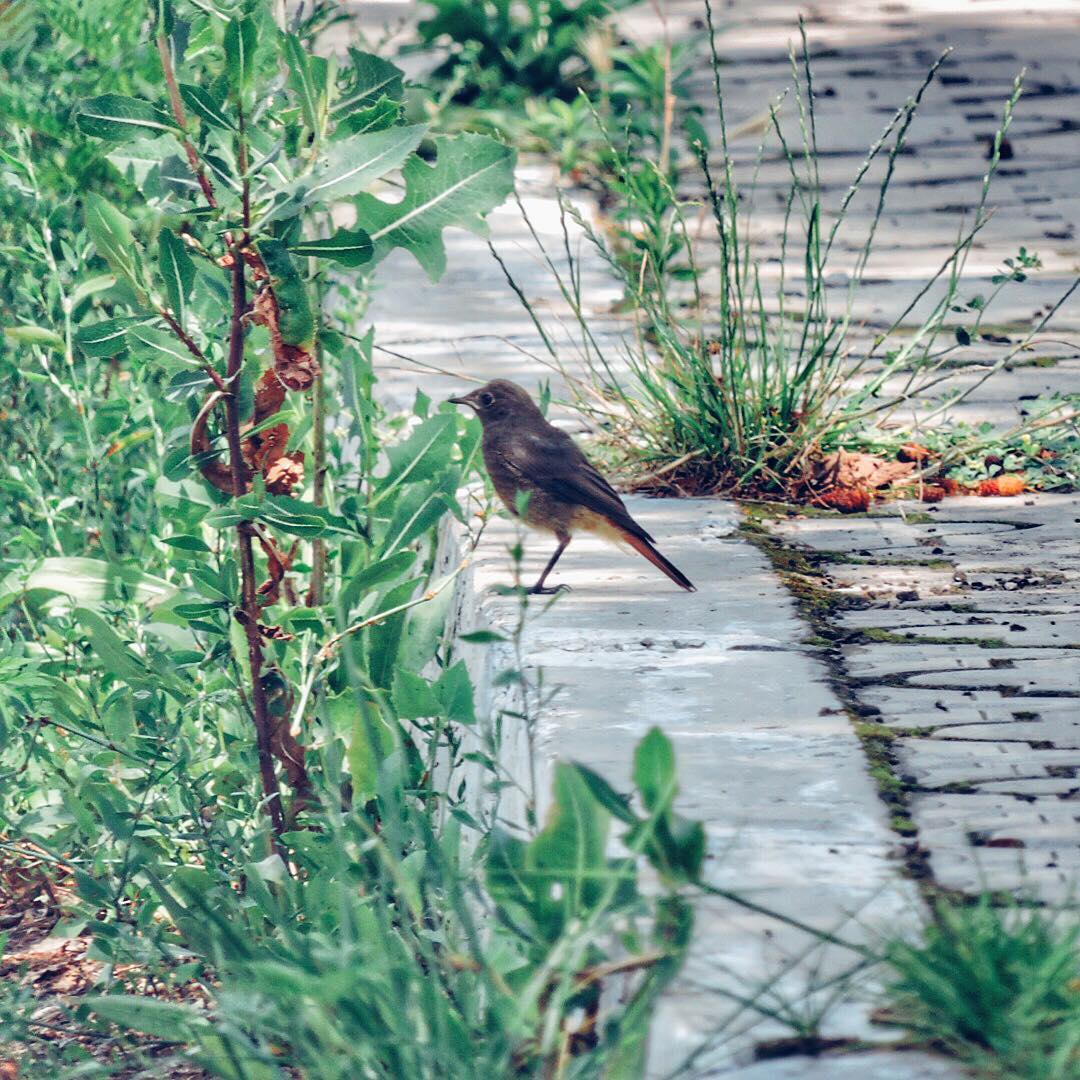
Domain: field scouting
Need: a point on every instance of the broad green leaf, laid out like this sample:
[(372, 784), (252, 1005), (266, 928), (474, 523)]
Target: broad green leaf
[(455, 691), (377, 573), (111, 233), (414, 697), (205, 106), (366, 80), (295, 320), (240, 43), (350, 247), (371, 740), (355, 164), (385, 638), (40, 335), (654, 771), (385, 113), (87, 582), (616, 804), (159, 345), (177, 271), (186, 542), (563, 874), (307, 79), (421, 456), (106, 338), (471, 176), (116, 117)]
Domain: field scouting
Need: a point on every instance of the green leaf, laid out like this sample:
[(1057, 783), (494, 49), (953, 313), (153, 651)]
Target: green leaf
[(205, 106), (307, 79), (421, 456), (654, 771), (368, 79), (159, 345), (36, 335), (88, 582), (151, 1016), (185, 542), (355, 164), (371, 741), (455, 691), (414, 697), (118, 659), (116, 117), (350, 247), (177, 271), (471, 176), (386, 569), (385, 113), (295, 320), (111, 233), (106, 338), (563, 874), (240, 43), (613, 802)]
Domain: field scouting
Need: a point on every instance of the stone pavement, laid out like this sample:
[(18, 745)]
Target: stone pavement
[(976, 668)]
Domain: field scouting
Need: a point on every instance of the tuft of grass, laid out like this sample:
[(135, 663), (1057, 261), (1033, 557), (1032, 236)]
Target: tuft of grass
[(997, 986), (730, 382)]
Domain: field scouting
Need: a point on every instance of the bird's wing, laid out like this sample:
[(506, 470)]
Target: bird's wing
[(552, 461)]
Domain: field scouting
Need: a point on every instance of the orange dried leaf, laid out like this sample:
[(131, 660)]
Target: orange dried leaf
[(932, 493), (914, 452), (846, 499), (1004, 486), (284, 474)]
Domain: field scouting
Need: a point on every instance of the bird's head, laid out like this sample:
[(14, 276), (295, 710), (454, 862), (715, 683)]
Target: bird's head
[(499, 399)]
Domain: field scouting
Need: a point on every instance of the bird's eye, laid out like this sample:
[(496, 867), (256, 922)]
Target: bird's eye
[(487, 400)]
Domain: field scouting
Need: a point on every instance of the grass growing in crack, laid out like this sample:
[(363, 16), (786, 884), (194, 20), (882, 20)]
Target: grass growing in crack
[(732, 381), (996, 985)]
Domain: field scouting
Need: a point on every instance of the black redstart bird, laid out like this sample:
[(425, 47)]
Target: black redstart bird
[(524, 453)]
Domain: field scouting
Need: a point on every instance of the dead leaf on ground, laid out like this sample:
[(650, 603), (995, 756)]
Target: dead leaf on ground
[(856, 469), (846, 500), (1004, 486)]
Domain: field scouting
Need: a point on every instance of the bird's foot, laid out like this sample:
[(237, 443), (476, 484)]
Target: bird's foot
[(547, 590)]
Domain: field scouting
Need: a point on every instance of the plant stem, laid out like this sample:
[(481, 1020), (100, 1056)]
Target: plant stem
[(249, 605), (318, 464)]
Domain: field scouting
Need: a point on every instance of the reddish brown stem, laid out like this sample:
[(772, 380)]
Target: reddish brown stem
[(249, 597), (181, 119), (194, 349)]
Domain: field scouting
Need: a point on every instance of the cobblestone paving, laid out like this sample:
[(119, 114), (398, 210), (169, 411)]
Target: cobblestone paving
[(975, 666)]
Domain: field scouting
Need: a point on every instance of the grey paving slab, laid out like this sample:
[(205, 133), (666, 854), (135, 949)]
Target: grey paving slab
[(767, 758)]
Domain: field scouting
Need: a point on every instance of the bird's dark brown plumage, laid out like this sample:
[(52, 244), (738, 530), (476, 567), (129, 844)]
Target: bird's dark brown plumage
[(524, 453)]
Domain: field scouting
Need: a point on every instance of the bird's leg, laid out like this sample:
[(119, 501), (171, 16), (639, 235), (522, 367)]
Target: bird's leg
[(539, 588)]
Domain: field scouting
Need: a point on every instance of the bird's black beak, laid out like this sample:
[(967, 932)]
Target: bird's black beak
[(464, 400)]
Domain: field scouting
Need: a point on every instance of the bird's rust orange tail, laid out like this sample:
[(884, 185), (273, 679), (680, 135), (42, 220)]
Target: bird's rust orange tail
[(643, 547)]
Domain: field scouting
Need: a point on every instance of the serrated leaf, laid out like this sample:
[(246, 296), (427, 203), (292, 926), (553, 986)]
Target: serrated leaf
[(471, 176), (383, 114), (350, 247), (355, 164), (118, 118), (201, 103), (177, 271), (240, 43), (111, 234)]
